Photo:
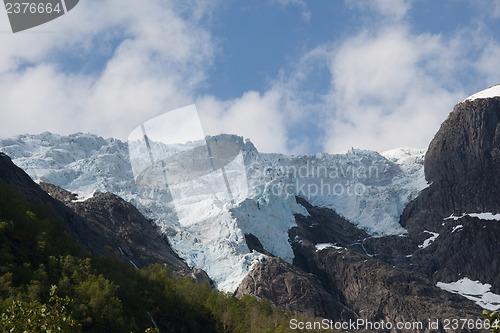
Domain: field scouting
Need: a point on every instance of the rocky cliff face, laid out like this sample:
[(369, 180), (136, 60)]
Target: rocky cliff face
[(293, 289), (466, 153), (463, 165)]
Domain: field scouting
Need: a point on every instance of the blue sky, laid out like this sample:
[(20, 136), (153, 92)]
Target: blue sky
[(294, 76)]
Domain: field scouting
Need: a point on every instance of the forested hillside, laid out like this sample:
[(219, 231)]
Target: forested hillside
[(47, 281)]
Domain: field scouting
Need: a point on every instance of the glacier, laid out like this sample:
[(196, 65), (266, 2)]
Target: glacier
[(369, 189)]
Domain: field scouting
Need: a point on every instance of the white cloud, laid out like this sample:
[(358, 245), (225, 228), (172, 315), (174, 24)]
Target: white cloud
[(389, 87), (385, 86), (388, 90), (161, 57)]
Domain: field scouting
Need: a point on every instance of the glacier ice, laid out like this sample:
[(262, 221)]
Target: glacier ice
[(367, 188)]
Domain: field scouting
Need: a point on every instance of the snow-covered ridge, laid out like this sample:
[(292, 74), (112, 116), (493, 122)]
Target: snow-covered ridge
[(493, 91), (368, 188)]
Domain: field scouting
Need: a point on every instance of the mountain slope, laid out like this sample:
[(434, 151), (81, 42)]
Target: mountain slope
[(452, 239), (118, 227), (336, 274), (355, 235)]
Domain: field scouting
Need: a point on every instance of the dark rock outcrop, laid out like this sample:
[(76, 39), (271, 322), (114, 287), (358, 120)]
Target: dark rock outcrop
[(465, 155), (376, 291), (254, 243), (11, 174), (293, 289), (121, 228), (463, 166)]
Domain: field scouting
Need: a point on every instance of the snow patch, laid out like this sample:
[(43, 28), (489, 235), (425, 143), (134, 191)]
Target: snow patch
[(475, 291), (429, 240), (481, 216), (493, 91), (322, 246), (457, 227)]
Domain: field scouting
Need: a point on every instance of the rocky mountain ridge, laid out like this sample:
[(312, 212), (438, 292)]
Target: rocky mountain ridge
[(326, 280), (446, 245)]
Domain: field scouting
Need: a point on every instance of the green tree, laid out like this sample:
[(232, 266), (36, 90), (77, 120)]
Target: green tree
[(36, 317)]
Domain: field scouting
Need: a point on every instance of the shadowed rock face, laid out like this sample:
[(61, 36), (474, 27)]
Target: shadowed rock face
[(463, 159), (104, 224), (463, 165), (11, 174), (466, 150), (293, 289), (377, 291), (122, 229)]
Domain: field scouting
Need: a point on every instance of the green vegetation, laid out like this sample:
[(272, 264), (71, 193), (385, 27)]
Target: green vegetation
[(48, 283), (36, 317)]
